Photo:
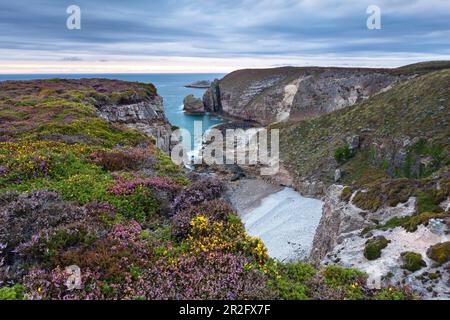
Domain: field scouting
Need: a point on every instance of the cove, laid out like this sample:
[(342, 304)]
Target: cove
[(284, 220)]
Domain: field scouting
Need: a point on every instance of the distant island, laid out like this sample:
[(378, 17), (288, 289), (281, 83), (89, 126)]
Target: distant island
[(202, 84)]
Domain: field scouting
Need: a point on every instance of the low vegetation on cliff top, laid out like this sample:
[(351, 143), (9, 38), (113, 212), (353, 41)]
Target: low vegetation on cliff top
[(411, 118), (76, 190), (394, 145)]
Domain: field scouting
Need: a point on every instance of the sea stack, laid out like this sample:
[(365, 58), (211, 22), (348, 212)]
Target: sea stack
[(193, 105)]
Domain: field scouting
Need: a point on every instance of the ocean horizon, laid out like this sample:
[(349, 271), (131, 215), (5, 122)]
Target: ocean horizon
[(170, 86)]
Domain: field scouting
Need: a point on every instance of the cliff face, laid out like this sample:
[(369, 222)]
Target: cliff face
[(69, 110), (402, 132), (146, 116), (345, 230), (281, 94)]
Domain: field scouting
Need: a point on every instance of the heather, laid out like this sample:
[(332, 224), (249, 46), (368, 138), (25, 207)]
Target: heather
[(76, 190)]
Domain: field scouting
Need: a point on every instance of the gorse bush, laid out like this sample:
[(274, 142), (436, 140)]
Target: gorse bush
[(76, 190), (206, 236), (214, 210)]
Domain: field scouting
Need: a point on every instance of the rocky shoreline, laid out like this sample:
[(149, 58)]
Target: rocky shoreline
[(349, 225)]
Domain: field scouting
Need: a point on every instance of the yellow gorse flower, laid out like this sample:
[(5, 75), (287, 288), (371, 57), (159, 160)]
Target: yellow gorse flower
[(209, 236)]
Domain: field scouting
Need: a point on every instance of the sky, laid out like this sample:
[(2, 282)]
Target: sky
[(218, 36)]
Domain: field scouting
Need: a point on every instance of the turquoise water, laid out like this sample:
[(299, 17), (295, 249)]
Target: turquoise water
[(170, 87)]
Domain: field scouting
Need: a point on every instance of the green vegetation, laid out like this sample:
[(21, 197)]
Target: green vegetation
[(440, 252), (293, 279), (301, 281), (343, 154), (429, 200), (374, 246), (411, 223), (12, 293), (370, 200), (350, 280), (391, 294), (346, 194), (77, 190), (435, 155), (412, 261), (384, 123)]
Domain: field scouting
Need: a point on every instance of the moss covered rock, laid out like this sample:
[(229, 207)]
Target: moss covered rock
[(374, 247), (412, 261), (440, 252), (346, 194), (370, 200)]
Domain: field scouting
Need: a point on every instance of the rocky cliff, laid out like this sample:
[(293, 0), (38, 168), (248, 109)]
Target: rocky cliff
[(402, 132), (281, 94), (69, 110), (146, 115), (347, 235)]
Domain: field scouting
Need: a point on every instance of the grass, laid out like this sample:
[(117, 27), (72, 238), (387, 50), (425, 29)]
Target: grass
[(411, 109), (53, 129), (49, 141)]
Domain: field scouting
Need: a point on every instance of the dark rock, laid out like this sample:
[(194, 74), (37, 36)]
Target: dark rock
[(193, 105), (202, 84)]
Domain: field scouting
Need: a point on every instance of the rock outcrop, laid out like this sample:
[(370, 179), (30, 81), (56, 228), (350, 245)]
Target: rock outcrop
[(281, 94), (193, 105), (341, 217), (146, 115), (290, 93), (341, 239), (202, 84)]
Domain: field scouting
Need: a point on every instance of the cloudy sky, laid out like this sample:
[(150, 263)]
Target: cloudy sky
[(217, 35)]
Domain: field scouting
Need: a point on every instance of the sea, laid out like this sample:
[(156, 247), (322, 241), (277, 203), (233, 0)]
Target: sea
[(285, 221), (170, 86)]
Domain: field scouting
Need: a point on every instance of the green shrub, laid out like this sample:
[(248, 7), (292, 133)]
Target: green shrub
[(413, 168), (428, 201), (343, 154), (374, 246), (16, 292), (412, 261), (350, 282), (336, 276), (292, 281), (411, 223), (440, 252), (388, 294)]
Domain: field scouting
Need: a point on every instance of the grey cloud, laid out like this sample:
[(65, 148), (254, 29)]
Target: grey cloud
[(220, 28)]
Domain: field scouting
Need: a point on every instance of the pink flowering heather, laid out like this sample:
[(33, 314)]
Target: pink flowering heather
[(127, 187)]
